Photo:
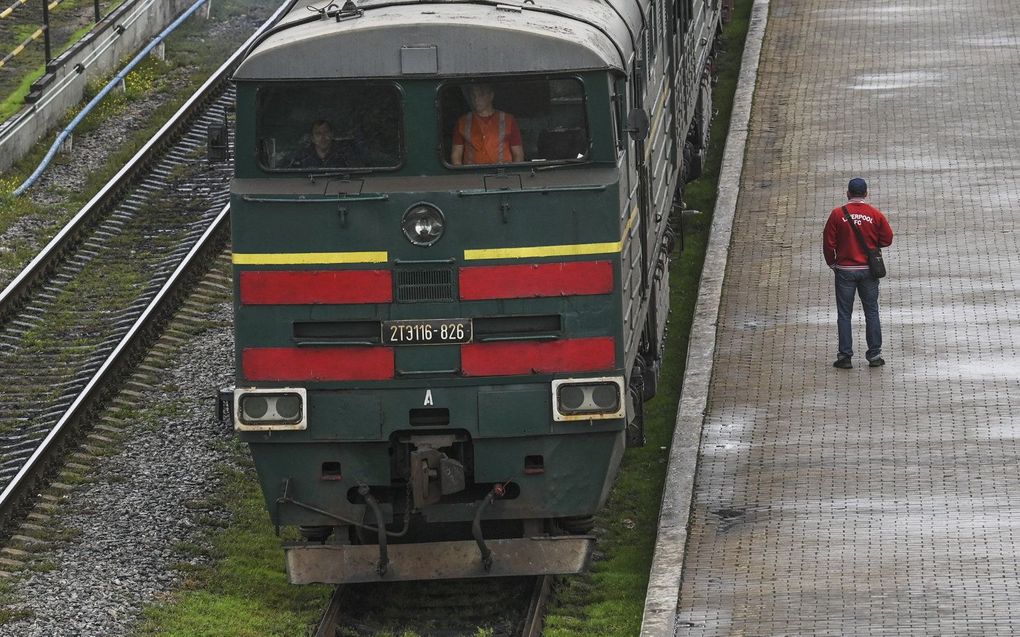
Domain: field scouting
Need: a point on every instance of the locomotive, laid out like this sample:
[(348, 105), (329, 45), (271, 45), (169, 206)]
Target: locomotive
[(451, 237)]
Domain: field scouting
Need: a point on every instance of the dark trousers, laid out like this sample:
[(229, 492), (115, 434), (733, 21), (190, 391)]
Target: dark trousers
[(860, 282)]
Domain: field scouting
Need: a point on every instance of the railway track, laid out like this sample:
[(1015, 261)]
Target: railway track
[(87, 307), (500, 607), (92, 292)]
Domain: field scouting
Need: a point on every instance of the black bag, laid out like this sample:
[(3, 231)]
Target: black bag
[(875, 262)]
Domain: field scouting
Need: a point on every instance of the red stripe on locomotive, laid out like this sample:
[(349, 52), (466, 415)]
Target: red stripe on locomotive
[(571, 355), (317, 363), (536, 280), (316, 287)]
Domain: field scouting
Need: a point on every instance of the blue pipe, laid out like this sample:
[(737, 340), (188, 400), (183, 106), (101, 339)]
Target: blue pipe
[(64, 134)]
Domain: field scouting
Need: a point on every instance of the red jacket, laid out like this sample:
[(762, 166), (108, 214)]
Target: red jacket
[(839, 242)]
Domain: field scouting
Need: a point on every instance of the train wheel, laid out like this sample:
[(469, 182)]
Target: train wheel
[(577, 524), (694, 161)]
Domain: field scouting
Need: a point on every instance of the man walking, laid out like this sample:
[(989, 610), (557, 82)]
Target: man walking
[(843, 253)]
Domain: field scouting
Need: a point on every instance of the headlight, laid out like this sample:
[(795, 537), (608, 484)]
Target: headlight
[(588, 399), (423, 224), (270, 409)]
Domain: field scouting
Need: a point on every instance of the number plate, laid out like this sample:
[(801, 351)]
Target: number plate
[(433, 332)]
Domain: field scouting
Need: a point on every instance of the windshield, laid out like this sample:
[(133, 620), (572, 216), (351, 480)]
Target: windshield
[(328, 125), (499, 121)]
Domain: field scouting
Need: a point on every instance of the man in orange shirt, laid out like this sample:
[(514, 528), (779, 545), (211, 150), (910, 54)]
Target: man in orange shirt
[(485, 135)]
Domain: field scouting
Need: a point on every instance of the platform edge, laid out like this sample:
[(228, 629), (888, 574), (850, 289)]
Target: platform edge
[(662, 597)]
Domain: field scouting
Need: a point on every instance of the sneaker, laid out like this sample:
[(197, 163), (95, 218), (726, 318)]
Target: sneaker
[(876, 362), (843, 363)]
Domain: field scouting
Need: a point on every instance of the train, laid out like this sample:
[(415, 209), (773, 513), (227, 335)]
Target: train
[(451, 234)]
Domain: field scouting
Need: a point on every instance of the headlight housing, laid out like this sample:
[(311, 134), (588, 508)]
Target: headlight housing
[(423, 224), (270, 409), (588, 398)]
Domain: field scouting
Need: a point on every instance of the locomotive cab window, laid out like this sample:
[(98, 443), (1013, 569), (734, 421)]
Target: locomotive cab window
[(511, 121), (326, 126)]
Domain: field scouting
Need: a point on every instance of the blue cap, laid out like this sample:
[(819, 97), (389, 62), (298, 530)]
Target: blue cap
[(857, 186)]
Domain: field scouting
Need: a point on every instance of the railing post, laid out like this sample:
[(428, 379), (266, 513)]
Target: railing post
[(98, 16), (46, 27)]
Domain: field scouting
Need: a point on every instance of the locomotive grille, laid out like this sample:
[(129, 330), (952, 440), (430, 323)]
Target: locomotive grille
[(418, 286)]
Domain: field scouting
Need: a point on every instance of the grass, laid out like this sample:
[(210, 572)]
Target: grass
[(244, 592), (610, 599), (16, 100)]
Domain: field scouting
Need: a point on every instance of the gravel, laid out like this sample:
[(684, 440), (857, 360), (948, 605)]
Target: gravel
[(69, 173), (125, 525)]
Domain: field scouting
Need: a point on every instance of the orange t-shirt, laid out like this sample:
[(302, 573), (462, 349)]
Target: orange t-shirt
[(484, 147)]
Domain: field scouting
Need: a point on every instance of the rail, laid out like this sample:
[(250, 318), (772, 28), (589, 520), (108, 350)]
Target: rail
[(33, 471), (346, 604)]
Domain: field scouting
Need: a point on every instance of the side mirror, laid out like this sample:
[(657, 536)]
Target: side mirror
[(637, 124)]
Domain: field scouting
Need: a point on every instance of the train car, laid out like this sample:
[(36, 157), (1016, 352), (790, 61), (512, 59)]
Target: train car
[(451, 240)]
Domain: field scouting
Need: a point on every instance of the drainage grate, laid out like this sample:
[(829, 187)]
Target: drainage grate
[(416, 286)]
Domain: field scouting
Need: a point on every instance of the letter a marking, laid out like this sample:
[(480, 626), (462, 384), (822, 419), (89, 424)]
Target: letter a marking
[(428, 397)]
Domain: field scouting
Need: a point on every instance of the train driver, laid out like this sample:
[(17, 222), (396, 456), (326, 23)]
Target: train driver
[(323, 151), (485, 135)]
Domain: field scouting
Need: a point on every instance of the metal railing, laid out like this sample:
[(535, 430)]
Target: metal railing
[(43, 30), (95, 101)]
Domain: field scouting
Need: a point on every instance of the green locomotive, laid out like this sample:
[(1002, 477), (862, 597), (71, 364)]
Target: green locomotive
[(451, 245)]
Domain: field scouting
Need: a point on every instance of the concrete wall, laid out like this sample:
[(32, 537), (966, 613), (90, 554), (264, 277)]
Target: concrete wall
[(117, 38)]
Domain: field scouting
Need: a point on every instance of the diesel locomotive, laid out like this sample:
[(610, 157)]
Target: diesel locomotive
[(451, 240)]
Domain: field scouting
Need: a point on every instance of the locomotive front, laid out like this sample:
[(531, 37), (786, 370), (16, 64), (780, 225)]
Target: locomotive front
[(430, 228)]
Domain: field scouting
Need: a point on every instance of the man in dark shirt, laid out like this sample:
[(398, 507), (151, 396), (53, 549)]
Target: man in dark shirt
[(323, 151)]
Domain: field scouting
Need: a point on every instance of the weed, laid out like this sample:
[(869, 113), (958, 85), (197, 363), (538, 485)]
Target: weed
[(41, 566), (8, 615)]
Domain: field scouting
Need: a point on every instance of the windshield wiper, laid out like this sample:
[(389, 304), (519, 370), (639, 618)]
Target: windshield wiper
[(346, 173), (561, 164)]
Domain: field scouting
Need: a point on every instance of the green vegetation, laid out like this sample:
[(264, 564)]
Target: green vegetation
[(41, 566), (245, 591), (609, 600), (13, 102), (7, 588), (10, 616)]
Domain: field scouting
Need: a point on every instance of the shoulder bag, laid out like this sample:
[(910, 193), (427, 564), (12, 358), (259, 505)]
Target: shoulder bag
[(875, 262)]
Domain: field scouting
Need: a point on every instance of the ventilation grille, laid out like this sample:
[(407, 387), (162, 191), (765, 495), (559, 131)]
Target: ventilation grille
[(419, 286)]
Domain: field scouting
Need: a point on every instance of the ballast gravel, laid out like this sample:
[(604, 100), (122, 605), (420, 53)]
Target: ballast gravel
[(125, 526)]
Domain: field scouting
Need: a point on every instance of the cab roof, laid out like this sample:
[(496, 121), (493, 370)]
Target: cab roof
[(400, 38)]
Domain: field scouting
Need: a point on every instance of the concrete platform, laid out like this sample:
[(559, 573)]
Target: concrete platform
[(879, 501)]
